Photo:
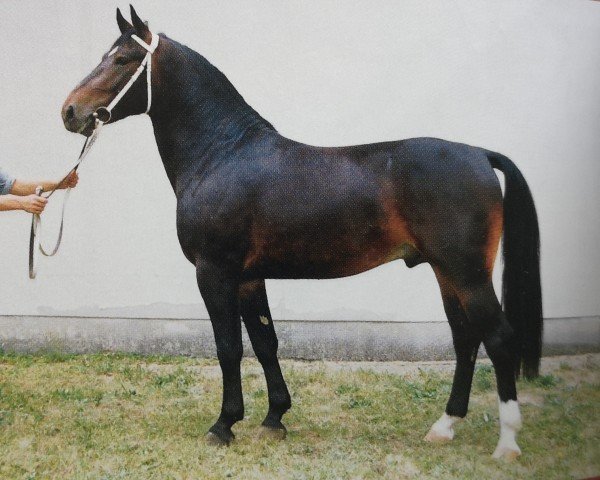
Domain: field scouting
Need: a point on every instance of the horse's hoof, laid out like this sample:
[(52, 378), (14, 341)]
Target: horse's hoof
[(438, 437), (217, 441), (278, 433), (442, 430), (507, 453)]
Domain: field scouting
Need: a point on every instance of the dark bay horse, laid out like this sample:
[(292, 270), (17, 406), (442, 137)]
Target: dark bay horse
[(252, 204)]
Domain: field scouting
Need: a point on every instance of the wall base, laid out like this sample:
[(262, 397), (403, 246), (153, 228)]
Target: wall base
[(332, 340)]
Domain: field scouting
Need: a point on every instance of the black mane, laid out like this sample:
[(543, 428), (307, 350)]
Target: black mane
[(208, 85)]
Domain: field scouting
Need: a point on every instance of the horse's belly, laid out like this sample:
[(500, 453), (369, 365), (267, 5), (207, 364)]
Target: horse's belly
[(322, 264), (326, 253)]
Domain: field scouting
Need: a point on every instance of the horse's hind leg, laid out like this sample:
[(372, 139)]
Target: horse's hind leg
[(466, 343), (259, 324), (485, 314)]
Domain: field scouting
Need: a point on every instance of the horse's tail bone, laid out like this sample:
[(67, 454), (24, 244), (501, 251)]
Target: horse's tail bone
[(521, 284)]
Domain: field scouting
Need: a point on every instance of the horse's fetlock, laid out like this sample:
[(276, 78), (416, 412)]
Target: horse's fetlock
[(510, 415), (283, 403), (229, 416)]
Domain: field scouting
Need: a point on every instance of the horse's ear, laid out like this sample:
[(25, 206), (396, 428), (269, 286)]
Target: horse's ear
[(141, 28), (124, 25)]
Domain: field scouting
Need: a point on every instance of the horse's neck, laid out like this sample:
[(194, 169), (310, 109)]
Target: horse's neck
[(195, 109)]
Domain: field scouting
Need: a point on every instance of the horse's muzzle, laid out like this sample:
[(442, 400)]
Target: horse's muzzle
[(77, 121)]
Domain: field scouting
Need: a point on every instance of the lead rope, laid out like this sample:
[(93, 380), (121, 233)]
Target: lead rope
[(102, 116), (35, 234)]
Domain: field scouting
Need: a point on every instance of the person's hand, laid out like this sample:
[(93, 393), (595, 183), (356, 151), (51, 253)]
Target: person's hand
[(33, 203), (70, 181)]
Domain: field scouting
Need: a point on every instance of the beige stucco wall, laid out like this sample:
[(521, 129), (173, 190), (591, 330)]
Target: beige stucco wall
[(522, 78)]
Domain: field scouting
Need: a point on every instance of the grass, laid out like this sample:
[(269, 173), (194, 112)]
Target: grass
[(131, 417)]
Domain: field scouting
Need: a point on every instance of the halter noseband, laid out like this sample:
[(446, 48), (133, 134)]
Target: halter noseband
[(104, 114)]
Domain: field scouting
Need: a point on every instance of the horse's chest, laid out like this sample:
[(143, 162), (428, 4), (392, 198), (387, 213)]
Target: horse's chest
[(208, 228)]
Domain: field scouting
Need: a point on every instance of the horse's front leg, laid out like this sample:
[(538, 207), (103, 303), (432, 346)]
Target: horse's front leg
[(219, 289)]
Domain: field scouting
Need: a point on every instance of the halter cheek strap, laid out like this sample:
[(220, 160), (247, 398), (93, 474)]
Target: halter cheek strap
[(148, 60), (103, 114)]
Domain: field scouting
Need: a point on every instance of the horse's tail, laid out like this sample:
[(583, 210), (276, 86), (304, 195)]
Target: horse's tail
[(521, 286)]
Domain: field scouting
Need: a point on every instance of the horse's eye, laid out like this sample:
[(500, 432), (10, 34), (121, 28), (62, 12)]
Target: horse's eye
[(120, 60)]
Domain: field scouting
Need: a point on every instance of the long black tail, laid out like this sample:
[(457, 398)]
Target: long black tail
[(521, 286)]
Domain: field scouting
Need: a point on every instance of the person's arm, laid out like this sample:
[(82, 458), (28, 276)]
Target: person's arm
[(30, 203), (27, 187)]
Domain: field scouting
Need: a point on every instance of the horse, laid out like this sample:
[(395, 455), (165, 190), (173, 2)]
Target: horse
[(254, 205)]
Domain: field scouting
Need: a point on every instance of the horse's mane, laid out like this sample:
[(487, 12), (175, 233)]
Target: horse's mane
[(211, 78)]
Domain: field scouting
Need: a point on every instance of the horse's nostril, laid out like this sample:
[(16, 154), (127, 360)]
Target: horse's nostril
[(70, 113)]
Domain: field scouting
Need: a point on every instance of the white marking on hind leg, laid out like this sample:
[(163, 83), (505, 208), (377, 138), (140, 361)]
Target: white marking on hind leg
[(510, 424), (443, 429)]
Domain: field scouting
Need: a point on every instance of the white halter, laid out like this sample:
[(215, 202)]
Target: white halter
[(104, 114), (101, 115)]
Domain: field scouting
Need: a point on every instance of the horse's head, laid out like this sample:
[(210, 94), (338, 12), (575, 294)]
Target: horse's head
[(104, 83)]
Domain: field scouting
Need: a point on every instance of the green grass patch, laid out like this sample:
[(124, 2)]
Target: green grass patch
[(133, 417)]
